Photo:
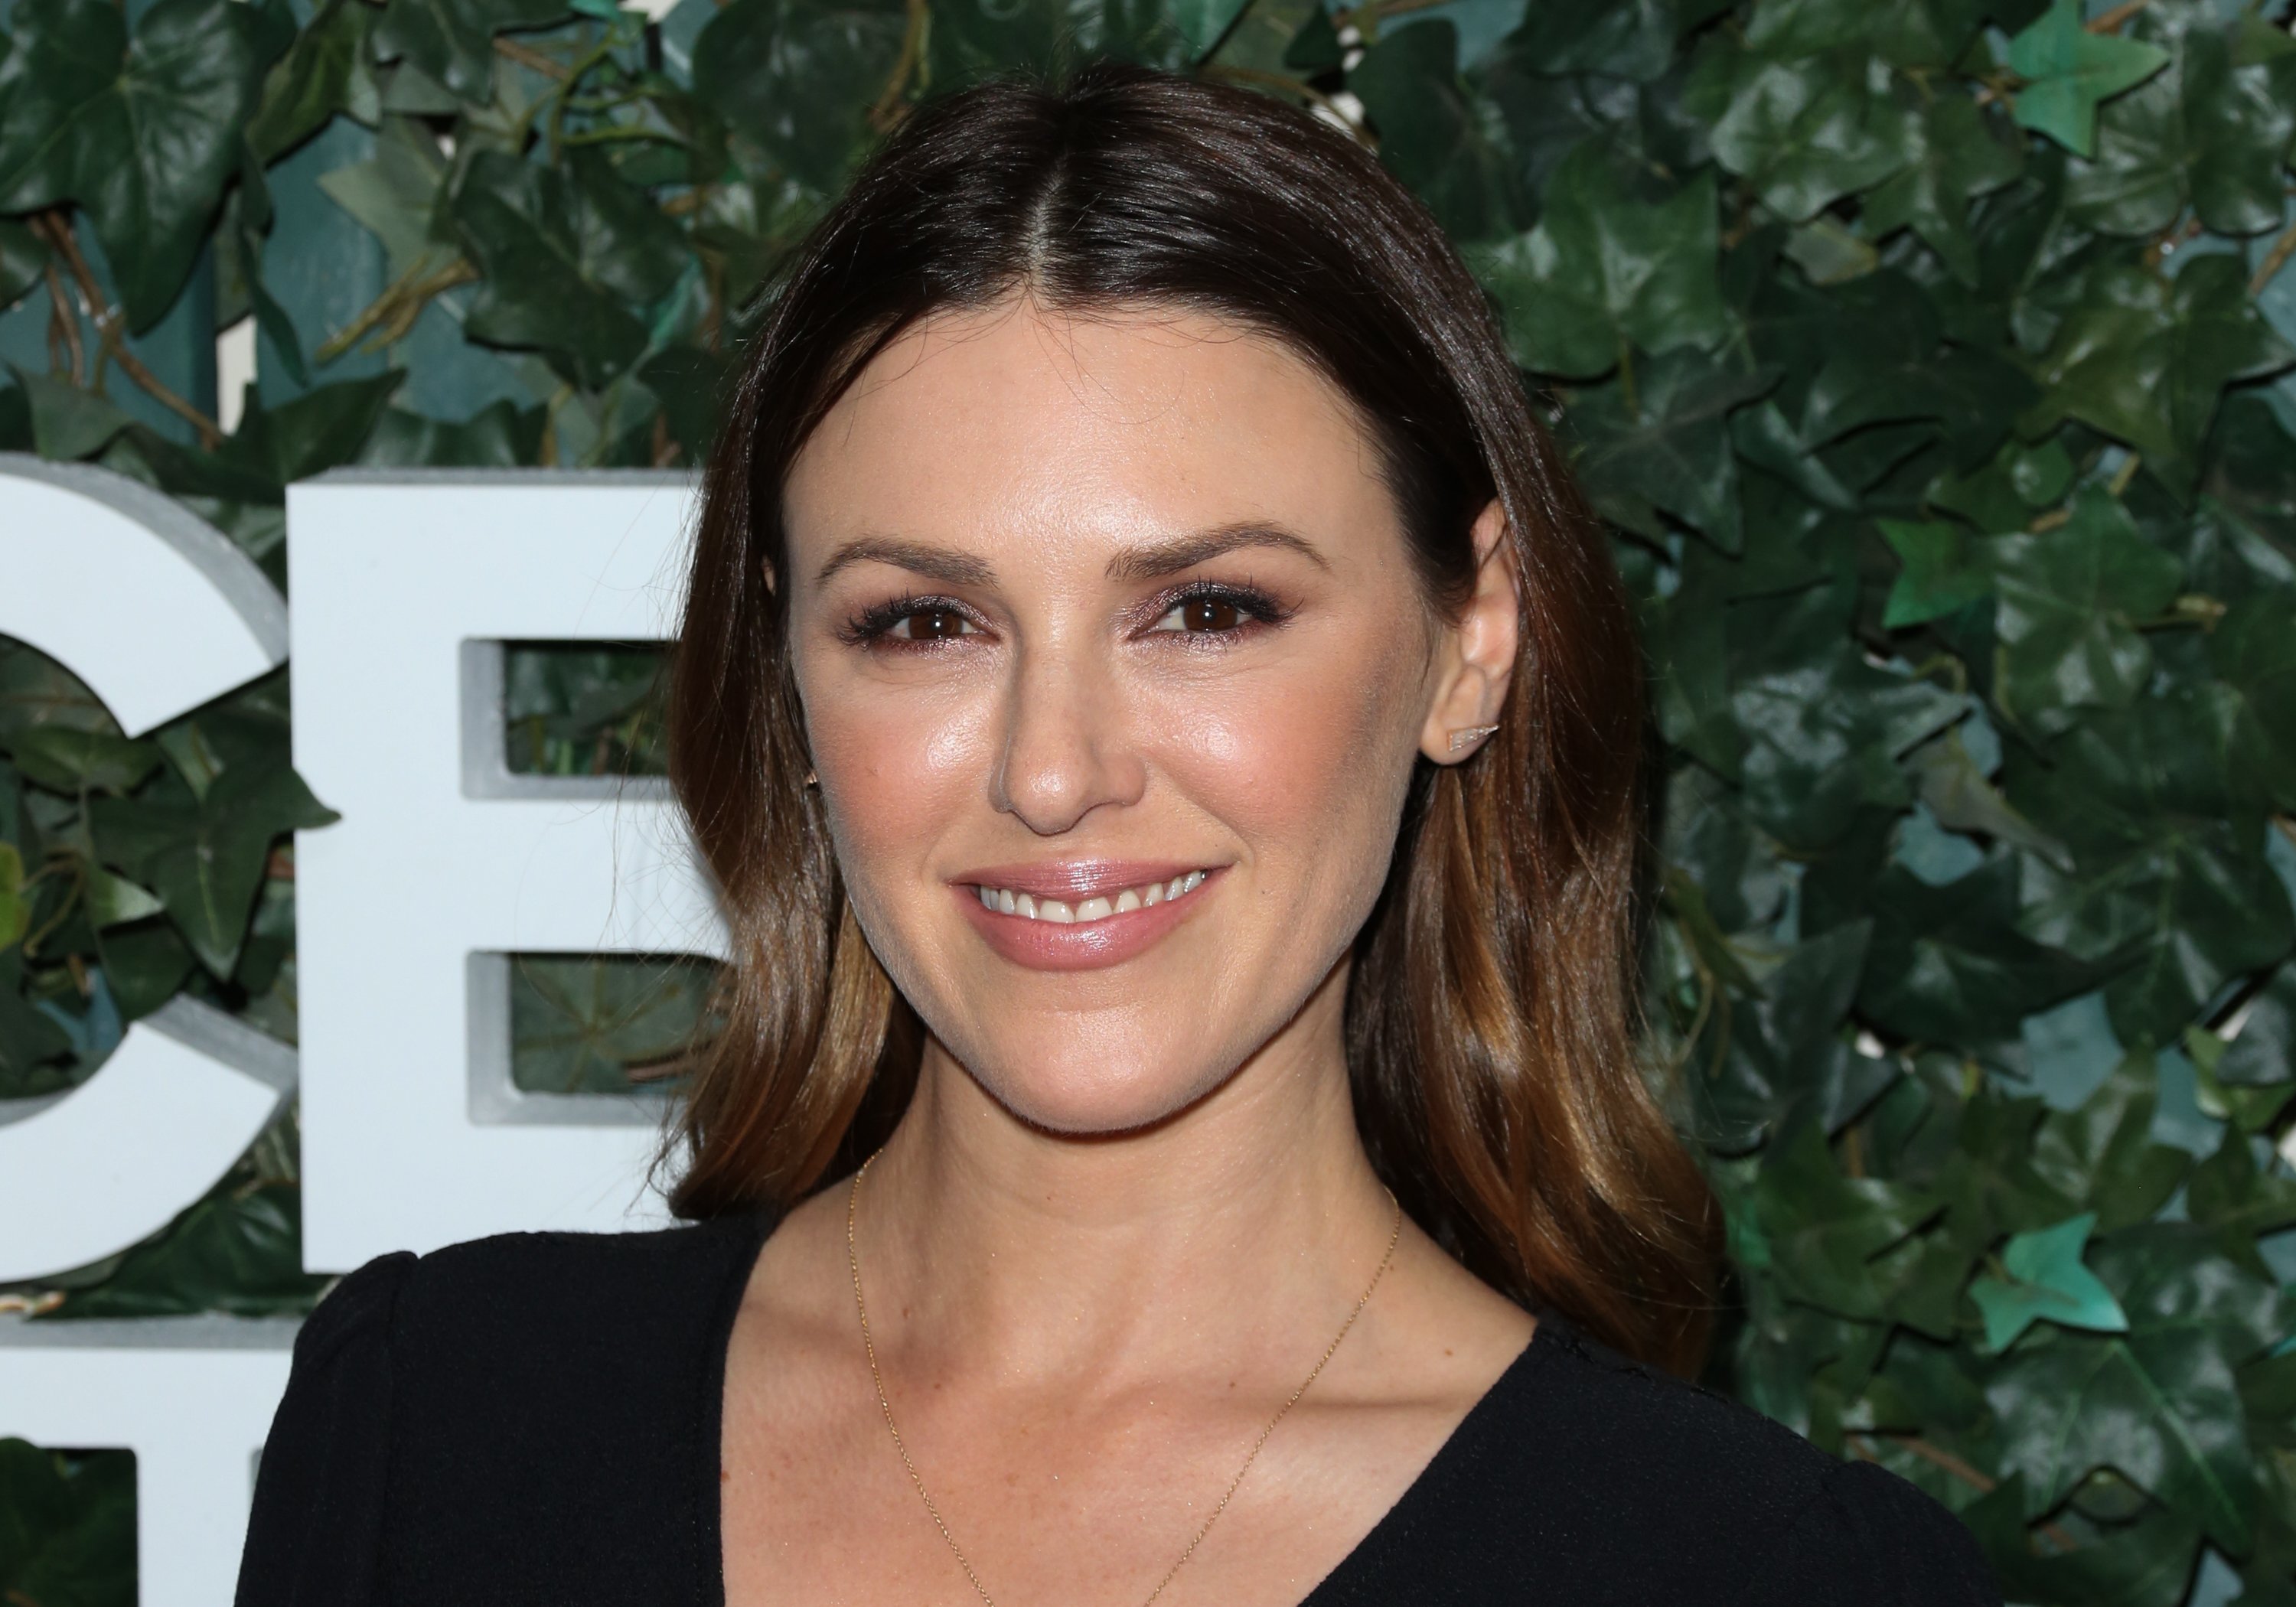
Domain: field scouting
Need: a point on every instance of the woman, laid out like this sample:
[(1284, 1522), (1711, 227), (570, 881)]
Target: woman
[(1166, 730)]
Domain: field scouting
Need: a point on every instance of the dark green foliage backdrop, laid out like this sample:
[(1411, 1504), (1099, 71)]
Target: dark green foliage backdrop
[(1930, 359)]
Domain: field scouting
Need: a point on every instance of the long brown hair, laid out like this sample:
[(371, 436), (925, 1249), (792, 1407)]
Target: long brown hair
[(1488, 1037)]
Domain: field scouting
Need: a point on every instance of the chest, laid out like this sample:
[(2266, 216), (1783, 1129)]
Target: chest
[(1076, 1496)]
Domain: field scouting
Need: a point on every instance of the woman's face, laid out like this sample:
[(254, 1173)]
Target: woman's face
[(1114, 668)]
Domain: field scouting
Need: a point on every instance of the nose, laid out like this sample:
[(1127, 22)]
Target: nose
[(1066, 750)]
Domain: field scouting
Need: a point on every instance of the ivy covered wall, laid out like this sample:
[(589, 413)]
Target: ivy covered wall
[(1930, 359)]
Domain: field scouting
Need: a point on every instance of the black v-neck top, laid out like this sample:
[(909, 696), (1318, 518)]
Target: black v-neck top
[(534, 1419)]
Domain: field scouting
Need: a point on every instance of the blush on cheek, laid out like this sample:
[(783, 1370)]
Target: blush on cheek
[(1311, 776), (898, 765), (897, 772)]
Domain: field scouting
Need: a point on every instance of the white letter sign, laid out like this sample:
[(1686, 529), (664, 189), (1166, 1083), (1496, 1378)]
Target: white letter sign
[(444, 865)]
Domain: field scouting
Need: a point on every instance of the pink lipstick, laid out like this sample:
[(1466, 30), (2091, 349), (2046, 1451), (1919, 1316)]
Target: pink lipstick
[(1080, 914)]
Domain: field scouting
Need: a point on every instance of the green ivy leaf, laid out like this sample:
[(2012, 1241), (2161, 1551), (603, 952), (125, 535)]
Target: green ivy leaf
[(68, 423), (1823, 732), (1690, 642), (1828, 254), (205, 856), (328, 69), (1606, 270), (141, 130), (501, 436), (1449, 145), (2252, 651), (1957, 790), (566, 253), (394, 195), (801, 75), (253, 216), (1870, 351), (1785, 1051), (23, 257), (2004, 493), (1949, 965), (2069, 69), (1669, 449), (1800, 1365), (1315, 46), (1958, 155), (1767, 440), (2046, 1279), (322, 429), (1805, 133), (1203, 22), (114, 900), (1946, 568), (2145, 359), (1632, 39), (2067, 609), (69, 760), (2165, 874), (2101, 1154), (690, 380), (146, 964), (15, 909), (2204, 133), (67, 1527), (1919, 33), (1974, 1151), (1879, 373), (2251, 471), (969, 40), (585, 1025), (2146, 1564), (2159, 1404), (1824, 1230), (452, 42), (2236, 1199), (2263, 1053), (30, 1040), (238, 1251)]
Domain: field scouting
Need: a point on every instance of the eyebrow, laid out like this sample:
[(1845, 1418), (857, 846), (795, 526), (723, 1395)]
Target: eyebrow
[(1149, 562), (943, 564), (1164, 558)]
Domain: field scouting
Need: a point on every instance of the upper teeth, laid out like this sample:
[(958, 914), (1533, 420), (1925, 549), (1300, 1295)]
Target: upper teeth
[(1099, 907)]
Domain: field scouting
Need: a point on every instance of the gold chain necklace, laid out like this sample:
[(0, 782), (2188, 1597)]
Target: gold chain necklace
[(853, 1260)]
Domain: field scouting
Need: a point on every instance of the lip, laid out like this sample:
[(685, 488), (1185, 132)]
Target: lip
[(1051, 945), (1077, 878)]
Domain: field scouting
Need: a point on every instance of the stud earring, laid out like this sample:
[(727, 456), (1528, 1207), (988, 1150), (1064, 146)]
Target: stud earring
[(811, 780), (1467, 736)]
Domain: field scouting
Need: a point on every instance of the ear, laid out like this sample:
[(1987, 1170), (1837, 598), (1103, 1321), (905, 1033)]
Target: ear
[(1475, 655)]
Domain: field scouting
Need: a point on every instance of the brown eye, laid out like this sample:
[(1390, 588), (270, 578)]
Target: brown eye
[(931, 625), (1203, 614)]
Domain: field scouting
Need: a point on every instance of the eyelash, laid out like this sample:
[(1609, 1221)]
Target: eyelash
[(872, 626)]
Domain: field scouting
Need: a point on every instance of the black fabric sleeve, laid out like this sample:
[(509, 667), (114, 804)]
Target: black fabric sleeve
[(1870, 1538), (314, 1538)]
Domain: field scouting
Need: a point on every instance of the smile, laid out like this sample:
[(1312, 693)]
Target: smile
[(1082, 915), (1100, 906)]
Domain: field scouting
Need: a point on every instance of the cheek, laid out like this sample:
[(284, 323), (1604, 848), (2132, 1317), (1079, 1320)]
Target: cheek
[(896, 765), (1306, 762)]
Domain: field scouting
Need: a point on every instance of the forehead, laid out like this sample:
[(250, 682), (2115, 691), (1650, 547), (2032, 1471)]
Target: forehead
[(1017, 426)]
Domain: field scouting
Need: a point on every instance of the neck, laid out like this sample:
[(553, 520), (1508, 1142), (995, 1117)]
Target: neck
[(1042, 1255)]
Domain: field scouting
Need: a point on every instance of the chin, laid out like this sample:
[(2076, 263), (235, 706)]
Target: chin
[(1111, 1097)]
